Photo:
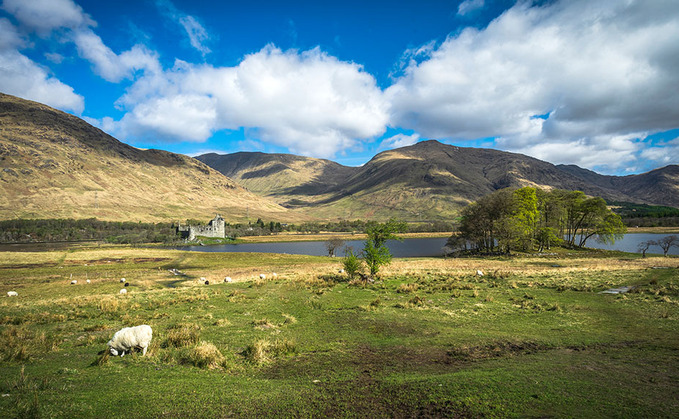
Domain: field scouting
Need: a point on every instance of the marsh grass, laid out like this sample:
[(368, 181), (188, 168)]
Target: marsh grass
[(203, 355), (182, 334), (264, 351)]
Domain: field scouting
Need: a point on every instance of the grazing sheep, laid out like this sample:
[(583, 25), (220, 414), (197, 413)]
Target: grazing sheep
[(262, 276), (123, 291), (274, 275), (128, 338), (127, 284), (228, 279), (74, 282), (207, 282), (479, 272), (88, 281), (122, 280), (341, 271), (12, 294)]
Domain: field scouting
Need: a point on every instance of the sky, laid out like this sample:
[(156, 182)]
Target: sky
[(593, 83)]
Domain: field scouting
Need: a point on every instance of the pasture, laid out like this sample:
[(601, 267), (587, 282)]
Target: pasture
[(532, 337)]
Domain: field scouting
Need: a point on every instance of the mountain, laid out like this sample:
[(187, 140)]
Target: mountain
[(55, 165), (428, 180)]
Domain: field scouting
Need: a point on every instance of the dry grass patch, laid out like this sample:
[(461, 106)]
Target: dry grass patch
[(182, 334)]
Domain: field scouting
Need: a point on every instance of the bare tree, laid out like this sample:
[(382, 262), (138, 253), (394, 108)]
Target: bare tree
[(333, 244), (643, 246), (668, 242)]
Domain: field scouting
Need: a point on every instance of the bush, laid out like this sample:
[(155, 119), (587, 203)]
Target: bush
[(352, 264), (204, 355)]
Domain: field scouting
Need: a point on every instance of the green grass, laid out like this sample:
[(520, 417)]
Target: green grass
[(531, 338)]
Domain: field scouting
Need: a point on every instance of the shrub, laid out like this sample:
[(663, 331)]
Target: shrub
[(263, 351), (352, 264)]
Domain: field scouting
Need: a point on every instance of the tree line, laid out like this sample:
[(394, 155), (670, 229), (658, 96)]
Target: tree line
[(529, 218), (70, 230)]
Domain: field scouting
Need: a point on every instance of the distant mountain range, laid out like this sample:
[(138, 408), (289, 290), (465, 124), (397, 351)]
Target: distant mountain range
[(428, 180), (55, 165)]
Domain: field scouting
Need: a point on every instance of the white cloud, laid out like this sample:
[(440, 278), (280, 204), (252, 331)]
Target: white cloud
[(109, 65), (43, 16), (308, 102), (197, 34), (21, 76), (398, 141), (602, 70), (665, 153), (469, 6)]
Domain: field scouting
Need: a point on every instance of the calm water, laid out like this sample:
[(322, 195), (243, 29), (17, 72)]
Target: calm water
[(405, 248)]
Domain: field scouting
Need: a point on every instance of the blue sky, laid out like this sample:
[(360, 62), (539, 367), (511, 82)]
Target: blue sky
[(586, 82)]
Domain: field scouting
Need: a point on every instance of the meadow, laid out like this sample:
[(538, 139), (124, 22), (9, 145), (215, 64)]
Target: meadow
[(532, 337)]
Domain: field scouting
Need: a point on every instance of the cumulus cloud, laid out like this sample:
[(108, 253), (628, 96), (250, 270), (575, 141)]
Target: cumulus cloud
[(398, 141), (43, 16), (109, 65), (21, 76), (308, 102), (595, 70)]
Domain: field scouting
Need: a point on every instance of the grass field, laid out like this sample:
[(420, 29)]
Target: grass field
[(532, 337)]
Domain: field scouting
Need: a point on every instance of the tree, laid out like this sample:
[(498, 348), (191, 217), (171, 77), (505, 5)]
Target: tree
[(643, 246), (668, 242), (375, 251), (333, 244)]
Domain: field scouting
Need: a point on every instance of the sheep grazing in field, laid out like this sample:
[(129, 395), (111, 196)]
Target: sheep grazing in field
[(479, 273), (12, 294), (128, 338), (262, 276), (207, 282), (74, 282), (122, 280), (228, 279), (88, 281), (127, 284), (123, 291), (274, 275), (341, 271)]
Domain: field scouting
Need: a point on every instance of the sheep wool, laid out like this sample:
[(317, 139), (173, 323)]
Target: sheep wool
[(12, 294), (128, 338), (123, 291)]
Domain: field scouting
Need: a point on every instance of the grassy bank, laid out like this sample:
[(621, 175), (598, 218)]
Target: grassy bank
[(531, 337)]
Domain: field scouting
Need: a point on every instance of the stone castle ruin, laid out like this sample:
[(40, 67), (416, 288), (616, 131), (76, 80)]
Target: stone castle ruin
[(215, 228)]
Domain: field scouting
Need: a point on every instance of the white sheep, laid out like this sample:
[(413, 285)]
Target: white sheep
[(228, 279), (88, 281), (128, 338), (274, 275), (123, 291), (74, 282), (12, 294), (479, 272), (262, 276), (122, 280)]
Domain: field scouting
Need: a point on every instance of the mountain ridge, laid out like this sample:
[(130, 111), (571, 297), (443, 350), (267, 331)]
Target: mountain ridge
[(442, 177)]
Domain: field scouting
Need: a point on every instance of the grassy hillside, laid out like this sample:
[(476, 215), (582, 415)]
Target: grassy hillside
[(530, 338), (55, 165)]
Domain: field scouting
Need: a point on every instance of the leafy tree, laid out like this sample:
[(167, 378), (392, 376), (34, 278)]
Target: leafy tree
[(375, 251)]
